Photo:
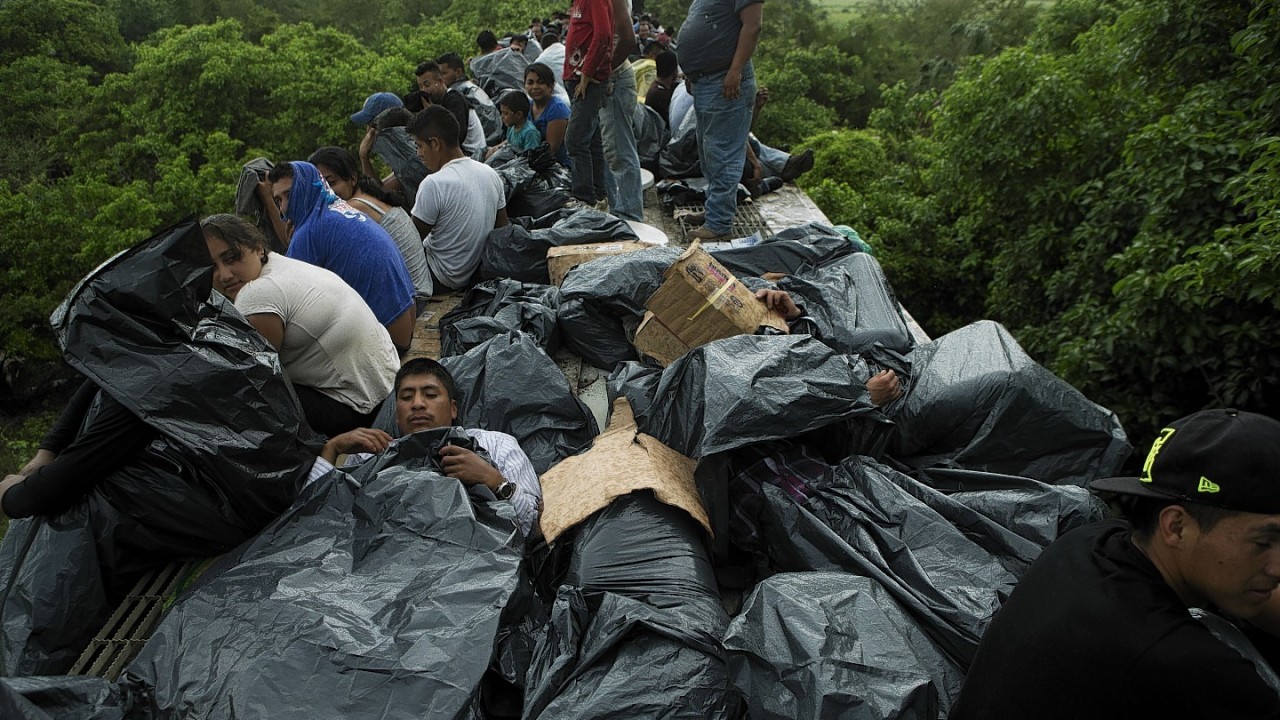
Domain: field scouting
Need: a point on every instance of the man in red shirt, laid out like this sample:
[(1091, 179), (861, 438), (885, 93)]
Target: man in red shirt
[(587, 66)]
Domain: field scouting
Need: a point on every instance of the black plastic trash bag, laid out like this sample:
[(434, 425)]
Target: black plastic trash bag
[(636, 626), (496, 307), (745, 389), (812, 244), (1038, 512), (822, 645), (603, 301), (651, 136), (519, 251), (977, 401), (509, 384), (61, 697), (679, 157), (231, 450), (851, 302), (532, 186), (376, 596), (948, 566), (55, 597)]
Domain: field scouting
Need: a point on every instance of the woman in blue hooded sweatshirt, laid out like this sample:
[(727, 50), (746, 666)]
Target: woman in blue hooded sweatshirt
[(330, 234)]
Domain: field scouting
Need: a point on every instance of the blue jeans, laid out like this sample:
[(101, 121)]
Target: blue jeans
[(772, 160), (626, 198), (586, 152), (722, 142)]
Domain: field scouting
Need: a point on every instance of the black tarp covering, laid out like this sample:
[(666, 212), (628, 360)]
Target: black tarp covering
[(824, 645), (533, 183), (232, 451), (948, 566), (603, 301), (514, 387), (375, 596), (1036, 511), (812, 244), (851, 302), (519, 251), (60, 697), (977, 401), (635, 629), (496, 307), (742, 390)]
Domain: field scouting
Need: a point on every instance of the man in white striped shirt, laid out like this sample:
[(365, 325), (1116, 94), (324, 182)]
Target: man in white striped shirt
[(424, 393)]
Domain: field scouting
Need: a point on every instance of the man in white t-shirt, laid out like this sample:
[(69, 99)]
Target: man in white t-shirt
[(458, 204), (424, 395)]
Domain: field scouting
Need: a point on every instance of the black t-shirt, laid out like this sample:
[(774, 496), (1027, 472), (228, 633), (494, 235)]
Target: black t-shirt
[(1093, 631), (112, 438)]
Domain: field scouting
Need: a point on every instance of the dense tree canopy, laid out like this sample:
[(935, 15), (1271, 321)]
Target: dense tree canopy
[(1102, 176)]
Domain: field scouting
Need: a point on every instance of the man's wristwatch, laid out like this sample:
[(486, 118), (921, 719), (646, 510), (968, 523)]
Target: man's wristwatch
[(505, 490)]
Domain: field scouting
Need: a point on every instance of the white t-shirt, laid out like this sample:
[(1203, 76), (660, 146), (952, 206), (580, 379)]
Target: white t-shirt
[(332, 341), (474, 141), (460, 202)]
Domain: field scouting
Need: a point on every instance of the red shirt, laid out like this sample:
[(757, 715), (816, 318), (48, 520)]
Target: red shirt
[(588, 49)]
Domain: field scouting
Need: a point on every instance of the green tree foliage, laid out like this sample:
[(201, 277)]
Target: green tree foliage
[(1111, 197), (76, 32)]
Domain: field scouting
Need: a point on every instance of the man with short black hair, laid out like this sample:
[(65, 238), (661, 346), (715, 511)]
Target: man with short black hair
[(497, 68), (458, 204), (426, 398), (454, 72), (1099, 626), (431, 82)]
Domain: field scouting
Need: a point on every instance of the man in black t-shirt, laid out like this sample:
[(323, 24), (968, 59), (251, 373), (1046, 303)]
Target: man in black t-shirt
[(1099, 627)]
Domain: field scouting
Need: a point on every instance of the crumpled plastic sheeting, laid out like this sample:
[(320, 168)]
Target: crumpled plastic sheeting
[(62, 698), (1038, 512), (813, 244), (377, 598), (824, 645), (977, 401), (55, 596), (232, 451), (530, 185), (513, 386), (742, 390), (604, 300), (145, 328), (869, 520), (496, 307), (850, 301), (519, 250), (635, 629)]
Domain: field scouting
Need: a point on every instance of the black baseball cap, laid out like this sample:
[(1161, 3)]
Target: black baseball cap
[(1223, 458)]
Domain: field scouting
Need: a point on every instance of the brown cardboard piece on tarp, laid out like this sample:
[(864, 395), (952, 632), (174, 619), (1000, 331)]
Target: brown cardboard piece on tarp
[(699, 301), (621, 461), (563, 258)]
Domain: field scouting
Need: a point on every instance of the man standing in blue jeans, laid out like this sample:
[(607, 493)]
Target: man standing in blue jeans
[(587, 67), (716, 44), (617, 118)]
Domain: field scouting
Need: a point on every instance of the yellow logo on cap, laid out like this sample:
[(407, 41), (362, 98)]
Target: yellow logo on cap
[(1165, 434), (1207, 486)]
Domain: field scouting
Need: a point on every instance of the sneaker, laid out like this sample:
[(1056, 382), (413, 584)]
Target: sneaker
[(693, 219), (797, 165), (706, 234)]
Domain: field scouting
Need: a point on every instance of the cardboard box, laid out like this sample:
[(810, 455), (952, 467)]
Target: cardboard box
[(562, 259), (621, 461), (699, 301)]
